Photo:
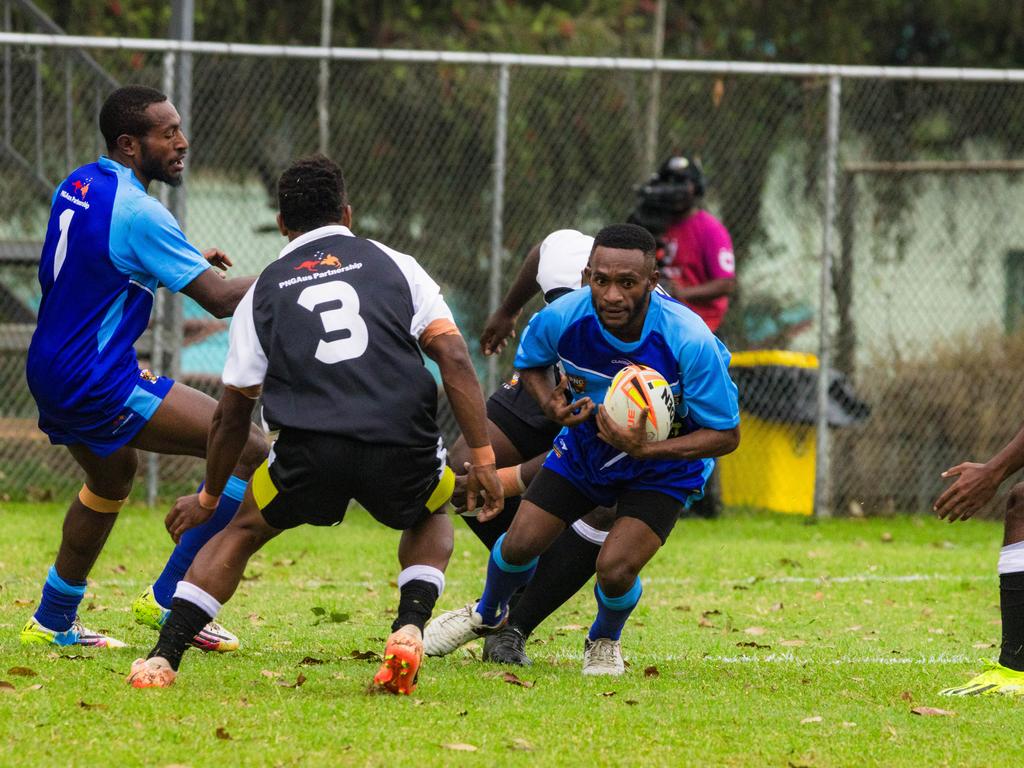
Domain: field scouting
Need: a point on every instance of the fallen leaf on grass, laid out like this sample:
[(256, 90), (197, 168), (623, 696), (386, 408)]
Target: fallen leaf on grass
[(512, 679), (776, 607), (222, 734), (36, 687), (309, 661), (325, 615), (270, 674), (463, 713), (703, 622), (364, 655), (792, 643), (932, 712), (752, 644), (22, 603), (814, 719), (886, 537), (457, 747), (651, 672), (846, 724), (298, 682), (607, 693), (6, 686), (984, 645), (87, 705), (907, 696), (632, 702), (21, 672), (571, 628), (819, 595), (521, 745), (755, 631)]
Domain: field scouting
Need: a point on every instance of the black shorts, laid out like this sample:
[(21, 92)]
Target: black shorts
[(310, 477), (514, 411), (559, 497)]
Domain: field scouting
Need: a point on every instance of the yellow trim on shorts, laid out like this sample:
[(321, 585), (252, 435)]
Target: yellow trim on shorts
[(263, 489), (442, 491)]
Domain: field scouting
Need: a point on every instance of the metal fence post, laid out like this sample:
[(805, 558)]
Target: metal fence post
[(498, 209), (323, 120), (822, 471)]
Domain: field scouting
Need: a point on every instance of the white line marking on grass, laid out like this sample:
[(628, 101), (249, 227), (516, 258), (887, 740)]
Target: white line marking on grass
[(936, 660)]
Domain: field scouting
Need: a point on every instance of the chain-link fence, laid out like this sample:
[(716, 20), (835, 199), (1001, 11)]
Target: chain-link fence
[(466, 160)]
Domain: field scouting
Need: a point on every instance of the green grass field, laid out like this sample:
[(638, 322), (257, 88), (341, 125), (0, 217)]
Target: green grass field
[(760, 640)]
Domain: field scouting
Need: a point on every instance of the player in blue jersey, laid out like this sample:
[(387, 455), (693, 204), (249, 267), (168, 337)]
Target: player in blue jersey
[(108, 247), (616, 319)]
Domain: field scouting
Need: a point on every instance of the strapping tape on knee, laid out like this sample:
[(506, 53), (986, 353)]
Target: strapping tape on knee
[(98, 503)]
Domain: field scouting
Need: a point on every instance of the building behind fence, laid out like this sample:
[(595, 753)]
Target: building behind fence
[(466, 160)]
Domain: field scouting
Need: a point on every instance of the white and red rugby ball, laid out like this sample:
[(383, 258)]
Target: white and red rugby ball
[(635, 388)]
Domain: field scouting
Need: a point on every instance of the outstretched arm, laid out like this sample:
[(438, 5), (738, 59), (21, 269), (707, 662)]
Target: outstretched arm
[(214, 293), (450, 353), (976, 484), (501, 326), (229, 431)]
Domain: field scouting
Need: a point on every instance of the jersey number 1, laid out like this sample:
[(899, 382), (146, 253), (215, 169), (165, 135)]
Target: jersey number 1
[(343, 318), (61, 251)]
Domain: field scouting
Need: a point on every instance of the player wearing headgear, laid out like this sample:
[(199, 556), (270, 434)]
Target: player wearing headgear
[(618, 318), (330, 337), (521, 434), (695, 251), (108, 247)]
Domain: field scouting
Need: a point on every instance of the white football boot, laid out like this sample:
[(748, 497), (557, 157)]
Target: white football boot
[(602, 657), (453, 629)]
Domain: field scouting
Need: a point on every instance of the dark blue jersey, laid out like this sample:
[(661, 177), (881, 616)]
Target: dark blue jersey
[(108, 246)]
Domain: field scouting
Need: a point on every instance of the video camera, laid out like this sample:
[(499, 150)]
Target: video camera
[(667, 195)]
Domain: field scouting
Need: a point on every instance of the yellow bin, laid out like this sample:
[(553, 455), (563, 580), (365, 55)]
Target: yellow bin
[(774, 466)]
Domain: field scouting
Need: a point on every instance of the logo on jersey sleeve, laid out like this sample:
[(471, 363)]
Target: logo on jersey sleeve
[(577, 383), (82, 187), (319, 261), (727, 260)]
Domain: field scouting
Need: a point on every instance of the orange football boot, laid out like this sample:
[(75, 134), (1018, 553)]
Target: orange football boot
[(402, 656)]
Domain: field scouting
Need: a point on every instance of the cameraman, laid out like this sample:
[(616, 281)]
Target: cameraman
[(695, 251)]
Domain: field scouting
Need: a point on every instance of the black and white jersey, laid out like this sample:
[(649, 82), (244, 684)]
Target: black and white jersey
[(331, 329)]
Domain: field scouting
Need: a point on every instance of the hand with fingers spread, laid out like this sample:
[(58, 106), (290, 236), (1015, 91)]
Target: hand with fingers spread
[(499, 328), (558, 408), (217, 258), (629, 440), (186, 513), (974, 487), (484, 485)]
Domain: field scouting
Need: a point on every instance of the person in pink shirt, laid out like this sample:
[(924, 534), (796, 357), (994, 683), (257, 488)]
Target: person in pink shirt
[(697, 263)]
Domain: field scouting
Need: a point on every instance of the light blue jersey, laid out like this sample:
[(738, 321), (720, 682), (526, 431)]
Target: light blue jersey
[(676, 343), (108, 246)]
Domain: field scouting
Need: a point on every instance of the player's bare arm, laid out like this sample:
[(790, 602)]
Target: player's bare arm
[(229, 431), (554, 402), (976, 483), (712, 289), (451, 354), (700, 444), (501, 326), (216, 295)]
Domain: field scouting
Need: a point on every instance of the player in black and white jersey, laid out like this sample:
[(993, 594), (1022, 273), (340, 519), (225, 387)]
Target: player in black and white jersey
[(329, 337), (522, 435)]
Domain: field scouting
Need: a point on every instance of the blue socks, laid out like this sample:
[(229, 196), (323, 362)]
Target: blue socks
[(612, 612), (192, 541), (503, 579), (59, 604)]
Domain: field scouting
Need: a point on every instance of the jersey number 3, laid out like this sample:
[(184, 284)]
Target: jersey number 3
[(343, 318)]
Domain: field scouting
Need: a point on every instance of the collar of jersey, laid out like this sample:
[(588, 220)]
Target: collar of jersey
[(315, 234), (653, 308), (123, 171)]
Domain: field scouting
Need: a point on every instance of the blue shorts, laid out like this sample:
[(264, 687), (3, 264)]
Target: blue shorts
[(116, 429), (602, 472)]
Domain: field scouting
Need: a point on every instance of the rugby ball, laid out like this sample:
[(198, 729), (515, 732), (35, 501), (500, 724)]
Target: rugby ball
[(634, 388)]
